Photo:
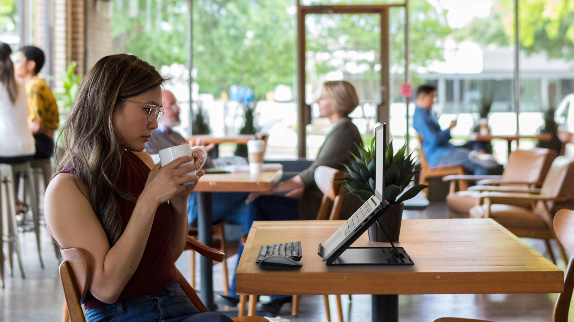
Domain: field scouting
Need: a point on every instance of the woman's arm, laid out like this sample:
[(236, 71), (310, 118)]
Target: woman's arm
[(73, 223), (178, 206)]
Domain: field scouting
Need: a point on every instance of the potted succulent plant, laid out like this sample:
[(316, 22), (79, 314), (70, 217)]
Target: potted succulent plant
[(200, 124), (399, 172), (247, 128)]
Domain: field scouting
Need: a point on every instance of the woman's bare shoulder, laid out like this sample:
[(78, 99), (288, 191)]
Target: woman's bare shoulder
[(145, 157), (64, 183), (69, 214)]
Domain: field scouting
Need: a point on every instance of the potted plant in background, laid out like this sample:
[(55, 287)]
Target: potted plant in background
[(550, 126), (486, 100), (199, 125), (399, 172), (70, 84), (248, 127)]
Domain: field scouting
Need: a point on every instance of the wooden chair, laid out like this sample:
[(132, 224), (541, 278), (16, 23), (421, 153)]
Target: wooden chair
[(76, 281), (563, 226), (428, 172), (557, 193), (326, 179), (525, 169)]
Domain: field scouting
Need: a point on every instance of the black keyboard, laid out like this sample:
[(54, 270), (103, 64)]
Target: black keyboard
[(291, 250)]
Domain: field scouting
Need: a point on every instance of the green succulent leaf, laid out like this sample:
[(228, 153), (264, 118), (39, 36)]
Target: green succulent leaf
[(363, 194), (352, 173), (372, 184), (358, 184), (399, 157), (399, 171), (412, 192), (372, 165), (391, 192), (391, 175)]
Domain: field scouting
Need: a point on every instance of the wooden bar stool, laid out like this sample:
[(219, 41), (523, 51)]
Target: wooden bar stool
[(8, 227), (42, 172), (27, 192)]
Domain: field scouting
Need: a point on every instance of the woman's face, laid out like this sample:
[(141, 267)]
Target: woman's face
[(326, 104), (132, 122)]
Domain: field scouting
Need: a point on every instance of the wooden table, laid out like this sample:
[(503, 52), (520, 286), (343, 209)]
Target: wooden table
[(510, 138), (451, 256), (208, 139), (226, 182)]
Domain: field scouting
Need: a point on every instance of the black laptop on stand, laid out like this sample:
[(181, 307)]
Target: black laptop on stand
[(337, 250)]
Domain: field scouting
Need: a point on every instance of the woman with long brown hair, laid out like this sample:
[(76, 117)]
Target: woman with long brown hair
[(109, 199), (16, 140)]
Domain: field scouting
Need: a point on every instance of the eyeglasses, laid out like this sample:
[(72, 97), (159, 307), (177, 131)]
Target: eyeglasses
[(153, 111)]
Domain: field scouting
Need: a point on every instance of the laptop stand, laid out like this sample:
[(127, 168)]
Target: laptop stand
[(373, 255)]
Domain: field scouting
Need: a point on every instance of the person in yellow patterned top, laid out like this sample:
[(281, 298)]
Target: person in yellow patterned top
[(43, 109)]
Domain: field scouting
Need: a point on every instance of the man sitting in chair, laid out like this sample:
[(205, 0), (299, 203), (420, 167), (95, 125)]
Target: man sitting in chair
[(226, 206), (436, 146)]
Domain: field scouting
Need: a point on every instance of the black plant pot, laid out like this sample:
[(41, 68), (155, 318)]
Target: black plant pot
[(391, 222)]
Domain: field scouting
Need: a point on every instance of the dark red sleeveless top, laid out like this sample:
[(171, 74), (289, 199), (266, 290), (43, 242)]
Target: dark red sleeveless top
[(156, 269)]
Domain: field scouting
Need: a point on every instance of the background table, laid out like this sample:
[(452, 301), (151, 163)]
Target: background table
[(451, 256), (226, 182), (208, 139), (510, 138)]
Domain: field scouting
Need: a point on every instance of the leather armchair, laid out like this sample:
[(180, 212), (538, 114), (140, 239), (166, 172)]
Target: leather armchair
[(526, 169), (534, 221)]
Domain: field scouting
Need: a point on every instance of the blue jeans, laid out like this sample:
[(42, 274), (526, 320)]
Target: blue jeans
[(168, 305), (267, 208), (459, 155), (228, 206)]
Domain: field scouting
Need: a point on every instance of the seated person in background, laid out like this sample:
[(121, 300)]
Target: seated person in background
[(44, 117), (226, 206), (299, 198), (436, 146), (109, 199)]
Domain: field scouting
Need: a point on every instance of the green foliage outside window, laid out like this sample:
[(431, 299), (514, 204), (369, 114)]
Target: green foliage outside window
[(252, 43)]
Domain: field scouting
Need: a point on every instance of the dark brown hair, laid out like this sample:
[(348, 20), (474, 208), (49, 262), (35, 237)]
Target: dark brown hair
[(91, 147), (7, 71)]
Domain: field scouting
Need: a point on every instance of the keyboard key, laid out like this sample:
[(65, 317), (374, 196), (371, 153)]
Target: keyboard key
[(291, 250)]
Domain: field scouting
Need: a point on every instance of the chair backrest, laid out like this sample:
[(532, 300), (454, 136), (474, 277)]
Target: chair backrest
[(528, 165), (326, 179), (569, 151), (564, 226), (559, 182), (422, 157), (75, 276)]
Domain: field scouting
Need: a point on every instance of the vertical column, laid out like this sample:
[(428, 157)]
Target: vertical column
[(301, 80)]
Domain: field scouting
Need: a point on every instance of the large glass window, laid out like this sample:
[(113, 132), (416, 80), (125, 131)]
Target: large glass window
[(10, 24)]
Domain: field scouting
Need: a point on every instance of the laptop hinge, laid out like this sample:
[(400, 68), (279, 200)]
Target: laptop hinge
[(320, 251)]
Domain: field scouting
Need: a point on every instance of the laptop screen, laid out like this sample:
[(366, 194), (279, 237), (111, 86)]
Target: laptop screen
[(380, 143)]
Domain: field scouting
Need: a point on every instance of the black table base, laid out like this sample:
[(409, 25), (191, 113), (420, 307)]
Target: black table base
[(385, 308), (205, 236)]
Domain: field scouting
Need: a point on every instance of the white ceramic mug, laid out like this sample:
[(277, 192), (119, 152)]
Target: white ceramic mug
[(169, 154)]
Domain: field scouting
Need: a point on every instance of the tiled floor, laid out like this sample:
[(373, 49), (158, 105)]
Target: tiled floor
[(39, 296)]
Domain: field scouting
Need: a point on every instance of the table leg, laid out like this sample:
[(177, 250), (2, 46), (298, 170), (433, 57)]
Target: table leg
[(205, 236), (385, 308), (510, 148)]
